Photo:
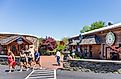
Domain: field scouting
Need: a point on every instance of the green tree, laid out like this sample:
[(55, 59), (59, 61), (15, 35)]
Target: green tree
[(85, 29), (65, 40), (97, 25), (94, 25), (40, 40), (82, 31), (60, 45)]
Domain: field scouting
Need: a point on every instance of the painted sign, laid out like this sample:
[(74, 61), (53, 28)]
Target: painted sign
[(110, 38), (19, 40)]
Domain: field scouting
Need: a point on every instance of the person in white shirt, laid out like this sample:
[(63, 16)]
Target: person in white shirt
[(73, 52), (58, 57)]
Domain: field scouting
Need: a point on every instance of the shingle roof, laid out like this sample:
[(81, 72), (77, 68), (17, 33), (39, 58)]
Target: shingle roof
[(8, 40), (90, 40)]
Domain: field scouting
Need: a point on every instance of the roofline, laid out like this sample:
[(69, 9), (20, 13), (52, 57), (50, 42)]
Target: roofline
[(74, 36), (22, 34), (103, 29)]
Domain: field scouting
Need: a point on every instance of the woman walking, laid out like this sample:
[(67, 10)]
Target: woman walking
[(22, 60), (11, 61), (30, 60)]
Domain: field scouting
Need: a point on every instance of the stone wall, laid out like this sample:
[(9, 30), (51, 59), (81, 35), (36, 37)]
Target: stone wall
[(96, 66)]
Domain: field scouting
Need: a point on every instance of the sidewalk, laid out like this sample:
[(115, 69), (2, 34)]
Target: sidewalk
[(49, 62)]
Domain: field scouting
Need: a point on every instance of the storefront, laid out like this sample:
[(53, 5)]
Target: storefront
[(103, 43), (13, 43), (74, 42), (90, 46)]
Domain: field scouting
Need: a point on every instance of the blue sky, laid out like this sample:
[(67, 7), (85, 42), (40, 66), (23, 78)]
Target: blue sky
[(55, 18)]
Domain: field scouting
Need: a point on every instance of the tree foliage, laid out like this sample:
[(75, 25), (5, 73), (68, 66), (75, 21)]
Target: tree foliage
[(85, 29), (94, 25), (65, 40), (97, 25), (47, 44), (61, 45)]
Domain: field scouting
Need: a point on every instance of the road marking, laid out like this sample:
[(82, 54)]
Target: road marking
[(42, 74), (29, 75)]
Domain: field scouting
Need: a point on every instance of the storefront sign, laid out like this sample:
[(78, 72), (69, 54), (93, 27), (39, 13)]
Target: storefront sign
[(19, 40), (110, 38)]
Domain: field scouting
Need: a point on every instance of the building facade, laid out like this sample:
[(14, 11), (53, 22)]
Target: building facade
[(103, 43), (16, 42)]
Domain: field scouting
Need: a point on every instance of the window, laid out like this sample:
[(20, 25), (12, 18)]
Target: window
[(13, 49), (3, 50)]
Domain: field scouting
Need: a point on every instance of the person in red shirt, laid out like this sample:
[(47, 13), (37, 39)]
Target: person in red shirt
[(11, 61)]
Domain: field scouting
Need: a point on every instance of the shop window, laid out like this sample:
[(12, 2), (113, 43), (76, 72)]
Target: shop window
[(13, 49), (3, 50)]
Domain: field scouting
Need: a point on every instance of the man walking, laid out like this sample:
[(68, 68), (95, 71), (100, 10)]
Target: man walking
[(58, 57)]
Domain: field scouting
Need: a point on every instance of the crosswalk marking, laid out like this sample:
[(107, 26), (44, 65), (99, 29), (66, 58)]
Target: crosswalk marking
[(42, 74)]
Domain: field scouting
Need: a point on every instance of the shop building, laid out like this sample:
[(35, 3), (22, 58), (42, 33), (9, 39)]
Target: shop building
[(103, 43), (16, 42), (74, 41)]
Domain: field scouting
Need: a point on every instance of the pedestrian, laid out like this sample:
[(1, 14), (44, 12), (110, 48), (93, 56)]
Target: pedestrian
[(31, 56), (37, 59), (30, 60), (58, 57), (22, 60), (26, 51), (73, 52), (11, 61)]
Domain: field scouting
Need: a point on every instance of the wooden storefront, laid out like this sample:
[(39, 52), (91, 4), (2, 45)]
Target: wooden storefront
[(108, 45), (90, 45), (14, 43)]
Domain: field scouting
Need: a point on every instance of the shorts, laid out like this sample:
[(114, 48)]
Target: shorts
[(12, 63), (22, 59), (30, 59), (37, 60)]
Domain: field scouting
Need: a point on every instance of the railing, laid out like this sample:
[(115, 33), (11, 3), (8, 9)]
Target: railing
[(4, 59)]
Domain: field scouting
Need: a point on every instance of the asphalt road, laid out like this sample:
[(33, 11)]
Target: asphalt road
[(60, 74), (12, 75), (86, 75)]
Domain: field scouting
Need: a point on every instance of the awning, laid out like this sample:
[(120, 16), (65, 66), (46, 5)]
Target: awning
[(73, 43), (90, 40)]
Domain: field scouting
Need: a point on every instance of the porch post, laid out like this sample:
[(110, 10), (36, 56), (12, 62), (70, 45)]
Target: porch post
[(102, 51)]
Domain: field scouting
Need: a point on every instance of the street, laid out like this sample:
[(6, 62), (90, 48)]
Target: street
[(86, 75), (12, 75), (60, 75)]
